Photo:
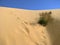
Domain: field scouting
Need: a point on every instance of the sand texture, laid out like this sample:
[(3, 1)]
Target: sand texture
[(19, 27)]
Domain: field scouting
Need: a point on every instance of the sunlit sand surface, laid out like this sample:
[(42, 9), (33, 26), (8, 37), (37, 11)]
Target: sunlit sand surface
[(16, 28)]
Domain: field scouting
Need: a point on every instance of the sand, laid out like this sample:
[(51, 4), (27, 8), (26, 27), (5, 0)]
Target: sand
[(16, 27)]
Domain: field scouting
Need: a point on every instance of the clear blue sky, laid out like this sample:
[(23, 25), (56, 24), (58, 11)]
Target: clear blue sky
[(31, 4)]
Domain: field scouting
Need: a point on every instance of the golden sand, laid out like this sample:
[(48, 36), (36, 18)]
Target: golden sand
[(15, 27)]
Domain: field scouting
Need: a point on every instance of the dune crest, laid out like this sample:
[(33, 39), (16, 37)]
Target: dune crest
[(16, 27)]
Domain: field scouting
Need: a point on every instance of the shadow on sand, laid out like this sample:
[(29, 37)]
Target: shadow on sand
[(53, 29)]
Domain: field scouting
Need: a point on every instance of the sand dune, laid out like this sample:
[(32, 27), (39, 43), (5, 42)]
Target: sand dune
[(19, 27)]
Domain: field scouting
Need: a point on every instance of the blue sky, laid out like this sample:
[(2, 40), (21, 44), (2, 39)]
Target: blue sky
[(31, 4)]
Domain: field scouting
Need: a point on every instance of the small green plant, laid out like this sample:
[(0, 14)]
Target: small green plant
[(44, 18)]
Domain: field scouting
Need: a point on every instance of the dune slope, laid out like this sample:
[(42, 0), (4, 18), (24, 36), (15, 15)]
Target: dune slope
[(15, 27)]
